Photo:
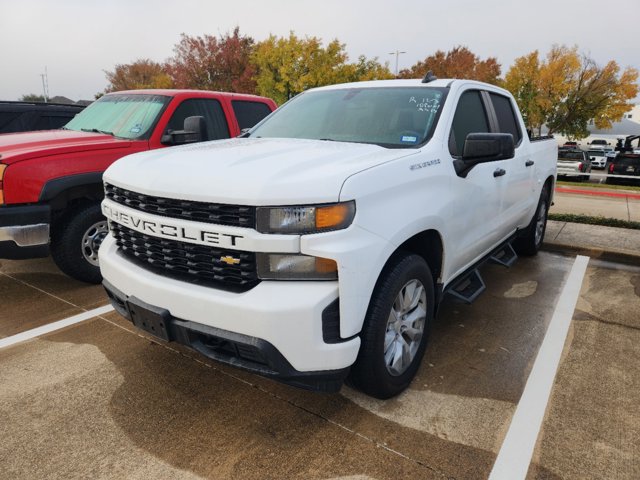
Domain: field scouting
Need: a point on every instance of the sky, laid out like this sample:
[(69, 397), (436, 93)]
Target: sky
[(77, 40)]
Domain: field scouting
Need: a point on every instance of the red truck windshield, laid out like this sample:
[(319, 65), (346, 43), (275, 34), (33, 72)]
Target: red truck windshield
[(399, 117), (121, 115)]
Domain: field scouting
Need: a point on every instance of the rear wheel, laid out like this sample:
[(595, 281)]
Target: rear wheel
[(75, 240), (529, 243), (396, 328)]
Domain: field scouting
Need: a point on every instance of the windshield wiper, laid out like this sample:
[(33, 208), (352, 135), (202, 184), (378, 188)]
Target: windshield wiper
[(95, 130)]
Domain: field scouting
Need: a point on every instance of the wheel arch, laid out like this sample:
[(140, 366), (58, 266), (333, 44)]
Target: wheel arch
[(62, 192), (427, 244)]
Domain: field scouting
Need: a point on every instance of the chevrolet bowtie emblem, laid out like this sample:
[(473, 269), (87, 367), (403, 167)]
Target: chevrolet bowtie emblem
[(230, 260)]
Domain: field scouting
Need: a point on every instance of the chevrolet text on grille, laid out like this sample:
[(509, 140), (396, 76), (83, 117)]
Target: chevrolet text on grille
[(167, 230)]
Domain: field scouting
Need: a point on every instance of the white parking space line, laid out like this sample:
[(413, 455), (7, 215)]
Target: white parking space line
[(515, 454), (52, 327)]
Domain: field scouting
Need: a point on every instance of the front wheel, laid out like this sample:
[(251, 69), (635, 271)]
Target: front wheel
[(75, 240), (396, 328), (531, 240)]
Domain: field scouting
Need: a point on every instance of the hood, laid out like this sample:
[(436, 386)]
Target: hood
[(247, 171), (22, 146)]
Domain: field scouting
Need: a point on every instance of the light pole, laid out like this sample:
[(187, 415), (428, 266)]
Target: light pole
[(397, 53), (45, 85)]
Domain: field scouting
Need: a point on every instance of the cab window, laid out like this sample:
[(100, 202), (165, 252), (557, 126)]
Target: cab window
[(208, 108), (470, 117)]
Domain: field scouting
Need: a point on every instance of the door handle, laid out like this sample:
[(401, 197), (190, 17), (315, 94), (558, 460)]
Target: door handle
[(499, 172), (528, 163)]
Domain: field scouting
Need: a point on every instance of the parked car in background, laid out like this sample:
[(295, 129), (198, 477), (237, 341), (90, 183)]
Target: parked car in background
[(598, 158), (626, 163), (575, 164), (51, 181), (598, 142), (571, 145), (32, 116)]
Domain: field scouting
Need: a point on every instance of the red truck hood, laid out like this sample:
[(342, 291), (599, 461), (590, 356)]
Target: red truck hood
[(15, 147)]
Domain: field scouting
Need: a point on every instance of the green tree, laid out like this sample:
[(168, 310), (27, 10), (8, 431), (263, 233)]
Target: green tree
[(459, 62), (142, 73), (290, 65), (211, 63), (32, 97), (568, 90), (366, 69)]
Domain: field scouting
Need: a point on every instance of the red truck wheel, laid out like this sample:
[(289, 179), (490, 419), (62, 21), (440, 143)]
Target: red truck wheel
[(75, 240)]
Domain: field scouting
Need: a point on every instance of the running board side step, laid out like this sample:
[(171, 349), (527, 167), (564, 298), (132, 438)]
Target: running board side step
[(505, 255), (468, 288)]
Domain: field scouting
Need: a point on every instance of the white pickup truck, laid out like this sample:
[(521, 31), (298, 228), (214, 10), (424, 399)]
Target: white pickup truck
[(319, 246)]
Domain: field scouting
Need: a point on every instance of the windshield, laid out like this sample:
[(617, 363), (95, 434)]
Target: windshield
[(571, 156), (596, 153), (124, 116), (397, 117)]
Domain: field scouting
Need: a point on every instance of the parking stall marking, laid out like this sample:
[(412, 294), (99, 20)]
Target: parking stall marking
[(52, 327), (517, 448)]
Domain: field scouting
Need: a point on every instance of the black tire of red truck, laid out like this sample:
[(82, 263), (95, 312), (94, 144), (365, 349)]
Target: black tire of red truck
[(75, 239)]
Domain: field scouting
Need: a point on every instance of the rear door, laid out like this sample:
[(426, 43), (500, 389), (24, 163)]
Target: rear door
[(519, 178)]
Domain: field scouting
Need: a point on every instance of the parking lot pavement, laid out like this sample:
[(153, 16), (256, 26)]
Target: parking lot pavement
[(36, 293), (592, 428), (101, 400)]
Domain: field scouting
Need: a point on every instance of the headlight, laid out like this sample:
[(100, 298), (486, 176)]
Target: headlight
[(305, 219), (276, 266)]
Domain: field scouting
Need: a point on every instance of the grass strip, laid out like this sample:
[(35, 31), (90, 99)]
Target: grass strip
[(589, 220), (563, 183)]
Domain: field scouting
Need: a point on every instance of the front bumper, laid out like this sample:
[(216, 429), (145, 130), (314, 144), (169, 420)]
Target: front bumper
[(283, 320), (24, 231)]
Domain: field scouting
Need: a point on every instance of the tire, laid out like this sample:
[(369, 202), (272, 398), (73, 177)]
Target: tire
[(384, 376), (75, 239), (528, 244)]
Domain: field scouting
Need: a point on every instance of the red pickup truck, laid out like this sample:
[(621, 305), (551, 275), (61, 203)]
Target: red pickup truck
[(51, 181)]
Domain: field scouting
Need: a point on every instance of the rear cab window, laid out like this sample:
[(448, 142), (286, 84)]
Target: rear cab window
[(249, 113), (506, 117)]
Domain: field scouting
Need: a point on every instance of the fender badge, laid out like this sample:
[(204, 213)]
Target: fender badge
[(230, 260)]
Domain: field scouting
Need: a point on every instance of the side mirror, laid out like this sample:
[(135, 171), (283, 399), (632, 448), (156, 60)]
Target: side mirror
[(482, 148), (488, 147), (194, 130)]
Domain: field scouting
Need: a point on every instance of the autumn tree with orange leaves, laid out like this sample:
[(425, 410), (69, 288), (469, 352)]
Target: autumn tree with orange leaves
[(566, 91), (213, 63), (459, 62), (143, 73)]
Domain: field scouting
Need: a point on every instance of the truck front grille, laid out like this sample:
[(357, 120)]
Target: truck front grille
[(218, 213), (187, 262)]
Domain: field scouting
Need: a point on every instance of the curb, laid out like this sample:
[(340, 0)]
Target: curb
[(610, 255), (605, 193)]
